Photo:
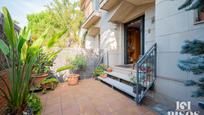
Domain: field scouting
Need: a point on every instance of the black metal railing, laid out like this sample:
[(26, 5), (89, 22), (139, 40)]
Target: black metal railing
[(146, 73)]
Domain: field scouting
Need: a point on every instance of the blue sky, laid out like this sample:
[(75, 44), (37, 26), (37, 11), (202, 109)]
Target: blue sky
[(20, 8)]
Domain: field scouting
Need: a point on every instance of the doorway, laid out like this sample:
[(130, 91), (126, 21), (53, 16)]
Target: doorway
[(134, 40)]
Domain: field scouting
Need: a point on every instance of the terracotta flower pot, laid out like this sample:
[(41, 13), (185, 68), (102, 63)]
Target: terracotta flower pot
[(73, 79), (109, 70), (37, 79), (103, 75)]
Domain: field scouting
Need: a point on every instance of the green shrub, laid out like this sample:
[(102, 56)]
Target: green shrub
[(49, 80), (79, 61), (44, 62), (35, 104)]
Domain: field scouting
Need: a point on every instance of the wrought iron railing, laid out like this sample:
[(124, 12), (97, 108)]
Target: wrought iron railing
[(146, 73)]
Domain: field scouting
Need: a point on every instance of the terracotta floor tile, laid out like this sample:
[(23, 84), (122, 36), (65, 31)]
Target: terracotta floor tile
[(54, 108), (89, 97), (70, 109), (51, 101), (53, 113)]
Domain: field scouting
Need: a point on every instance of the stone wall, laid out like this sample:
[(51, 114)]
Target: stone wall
[(91, 55)]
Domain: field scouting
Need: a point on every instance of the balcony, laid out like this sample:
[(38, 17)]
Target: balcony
[(108, 4), (93, 31), (92, 19), (128, 10), (140, 2)]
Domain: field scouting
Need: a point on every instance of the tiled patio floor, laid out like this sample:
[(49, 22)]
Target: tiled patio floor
[(89, 97)]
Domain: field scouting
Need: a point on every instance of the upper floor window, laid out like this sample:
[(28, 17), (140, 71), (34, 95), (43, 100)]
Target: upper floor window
[(199, 17)]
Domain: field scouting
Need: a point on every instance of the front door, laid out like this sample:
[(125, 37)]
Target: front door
[(134, 40)]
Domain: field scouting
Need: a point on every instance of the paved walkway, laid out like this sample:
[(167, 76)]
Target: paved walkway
[(89, 97)]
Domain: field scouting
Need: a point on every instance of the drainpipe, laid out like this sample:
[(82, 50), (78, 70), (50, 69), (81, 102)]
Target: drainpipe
[(107, 59)]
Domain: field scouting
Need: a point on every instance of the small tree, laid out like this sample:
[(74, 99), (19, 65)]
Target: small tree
[(192, 5), (195, 64), (195, 48)]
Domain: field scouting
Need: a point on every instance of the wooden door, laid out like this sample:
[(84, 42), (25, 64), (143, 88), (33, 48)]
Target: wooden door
[(133, 45)]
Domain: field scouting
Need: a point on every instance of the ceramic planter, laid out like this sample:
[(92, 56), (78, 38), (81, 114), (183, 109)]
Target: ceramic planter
[(73, 79), (103, 75), (36, 80), (39, 78), (109, 70)]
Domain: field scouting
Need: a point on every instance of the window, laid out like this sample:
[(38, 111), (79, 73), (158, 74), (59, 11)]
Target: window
[(199, 17)]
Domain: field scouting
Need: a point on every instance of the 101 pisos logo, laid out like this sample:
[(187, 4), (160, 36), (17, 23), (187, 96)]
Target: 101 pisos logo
[(183, 108)]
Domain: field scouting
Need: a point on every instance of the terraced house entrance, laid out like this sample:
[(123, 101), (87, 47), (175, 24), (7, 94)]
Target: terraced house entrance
[(102, 57)]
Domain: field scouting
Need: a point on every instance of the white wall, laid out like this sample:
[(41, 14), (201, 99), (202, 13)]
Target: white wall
[(92, 42), (173, 27), (149, 27), (110, 39)]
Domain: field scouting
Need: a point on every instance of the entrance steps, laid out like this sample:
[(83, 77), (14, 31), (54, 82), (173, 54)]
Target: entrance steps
[(119, 85), (121, 78)]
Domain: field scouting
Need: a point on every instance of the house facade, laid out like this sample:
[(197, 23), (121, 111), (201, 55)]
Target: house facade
[(126, 29)]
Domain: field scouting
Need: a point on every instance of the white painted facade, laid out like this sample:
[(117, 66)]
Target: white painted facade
[(169, 28)]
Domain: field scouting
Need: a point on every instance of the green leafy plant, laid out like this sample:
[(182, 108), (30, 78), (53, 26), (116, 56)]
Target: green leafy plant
[(49, 80), (21, 54), (59, 15), (76, 63), (35, 104), (100, 70), (44, 62), (49, 83), (67, 67)]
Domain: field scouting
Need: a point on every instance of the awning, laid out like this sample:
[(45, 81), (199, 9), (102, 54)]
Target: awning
[(92, 19)]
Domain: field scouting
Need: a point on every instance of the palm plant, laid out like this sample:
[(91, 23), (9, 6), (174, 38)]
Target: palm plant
[(21, 53)]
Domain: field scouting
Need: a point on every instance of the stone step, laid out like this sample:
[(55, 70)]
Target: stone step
[(121, 86), (124, 70), (126, 77)]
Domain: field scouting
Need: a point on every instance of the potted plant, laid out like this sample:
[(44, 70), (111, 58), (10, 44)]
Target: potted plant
[(109, 69), (42, 66), (100, 71), (34, 105), (73, 79), (49, 83), (137, 88), (103, 75), (77, 64)]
